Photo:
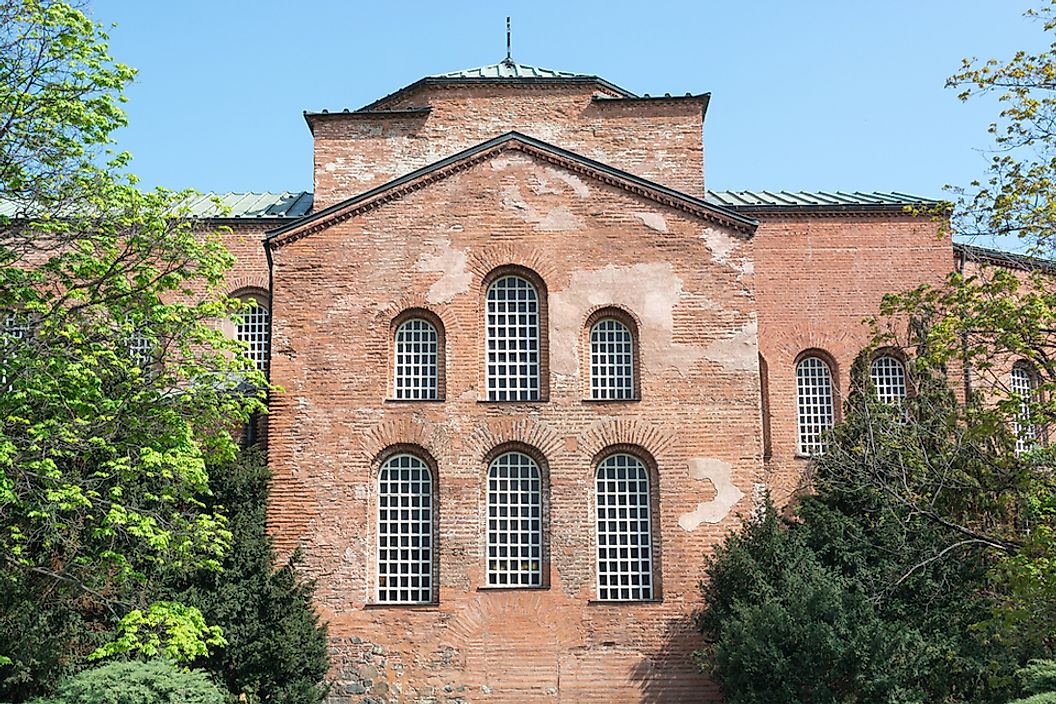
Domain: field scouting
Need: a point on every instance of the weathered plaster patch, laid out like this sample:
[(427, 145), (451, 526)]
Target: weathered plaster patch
[(651, 291), (727, 495), (740, 352), (721, 244), (654, 221), (451, 263), (558, 219)]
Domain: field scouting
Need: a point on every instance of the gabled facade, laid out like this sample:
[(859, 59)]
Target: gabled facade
[(532, 372)]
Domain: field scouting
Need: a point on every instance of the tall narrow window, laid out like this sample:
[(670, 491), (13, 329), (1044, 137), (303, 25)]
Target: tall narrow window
[(512, 340), (889, 379), (254, 329), (515, 522), (417, 350), (815, 412), (1025, 385), (405, 531), (625, 549), (611, 360)]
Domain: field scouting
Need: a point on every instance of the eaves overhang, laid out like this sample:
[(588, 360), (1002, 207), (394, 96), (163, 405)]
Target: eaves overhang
[(395, 189)]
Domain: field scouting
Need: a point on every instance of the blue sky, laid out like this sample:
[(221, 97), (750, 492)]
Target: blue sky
[(805, 95)]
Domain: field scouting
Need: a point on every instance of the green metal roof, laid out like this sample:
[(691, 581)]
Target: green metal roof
[(246, 206), (509, 69), (295, 204), (814, 199)]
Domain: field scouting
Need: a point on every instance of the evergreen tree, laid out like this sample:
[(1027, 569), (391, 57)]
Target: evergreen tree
[(276, 646)]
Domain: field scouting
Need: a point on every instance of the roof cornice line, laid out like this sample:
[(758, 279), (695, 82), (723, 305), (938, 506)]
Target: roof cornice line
[(420, 178)]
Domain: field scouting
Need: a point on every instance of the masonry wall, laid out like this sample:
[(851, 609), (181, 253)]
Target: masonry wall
[(818, 276), (336, 291), (660, 140)]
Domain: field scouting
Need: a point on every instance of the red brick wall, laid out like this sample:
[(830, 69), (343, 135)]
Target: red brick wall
[(657, 140), (817, 278), (690, 289)]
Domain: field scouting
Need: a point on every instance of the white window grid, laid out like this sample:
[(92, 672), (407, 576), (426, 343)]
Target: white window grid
[(405, 531), (815, 411), (141, 349), (512, 340), (889, 379), (253, 329), (15, 330), (611, 361), (1024, 385), (515, 535), (417, 349), (624, 524)]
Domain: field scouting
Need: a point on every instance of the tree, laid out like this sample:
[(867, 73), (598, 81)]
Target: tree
[(151, 682), (276, 647), (116, 391)]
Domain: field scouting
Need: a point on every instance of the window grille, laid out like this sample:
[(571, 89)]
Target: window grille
[(814, 406), (141, 349), (253, 329), (889, 379), (405, 531), (512, 340), (515, 536), (625, 570), (417, 347), (1024, 384), (611, 361), (15, 330)]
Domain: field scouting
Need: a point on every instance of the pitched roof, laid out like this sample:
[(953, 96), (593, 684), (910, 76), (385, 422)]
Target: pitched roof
[(291, 205), (504, 72), (512, 140), (509, 69), (816, 200), (246, 206)]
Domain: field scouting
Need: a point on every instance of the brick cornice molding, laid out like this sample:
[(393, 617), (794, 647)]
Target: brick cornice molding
[(512, 141)]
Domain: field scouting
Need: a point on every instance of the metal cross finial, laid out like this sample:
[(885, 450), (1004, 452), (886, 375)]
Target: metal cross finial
[(509, 56)]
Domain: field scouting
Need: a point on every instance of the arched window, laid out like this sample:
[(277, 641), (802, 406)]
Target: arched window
[(512, 327), (417, 360), (815, 411), (611, 360), (889, 379), (254, 329), (625, 548), (1025, 385), (405, 531), (515, 522)]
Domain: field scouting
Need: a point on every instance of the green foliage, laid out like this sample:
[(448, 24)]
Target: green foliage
[(151, 682), (276, 648), (116, 388), (787, 629), (877, 589)]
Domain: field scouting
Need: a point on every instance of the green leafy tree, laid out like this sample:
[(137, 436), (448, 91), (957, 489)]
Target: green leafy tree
[(151, 682), (276, 647), (116, 390)]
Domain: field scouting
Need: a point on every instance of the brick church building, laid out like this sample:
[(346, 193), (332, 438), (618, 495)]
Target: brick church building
[(532, 371)]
